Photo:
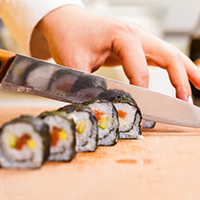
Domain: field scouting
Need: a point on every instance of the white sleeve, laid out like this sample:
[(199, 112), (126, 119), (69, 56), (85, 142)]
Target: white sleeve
[(21, 17)]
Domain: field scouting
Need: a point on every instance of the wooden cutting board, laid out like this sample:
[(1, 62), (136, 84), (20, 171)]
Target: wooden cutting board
[(164, 165)]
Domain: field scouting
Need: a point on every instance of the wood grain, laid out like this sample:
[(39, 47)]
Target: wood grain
[(6, 58), (164, 165)]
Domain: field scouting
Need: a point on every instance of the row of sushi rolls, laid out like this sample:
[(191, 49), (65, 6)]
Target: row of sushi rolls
[(28, 141)]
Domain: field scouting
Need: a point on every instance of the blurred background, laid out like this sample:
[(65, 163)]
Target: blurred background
[(175, 21)]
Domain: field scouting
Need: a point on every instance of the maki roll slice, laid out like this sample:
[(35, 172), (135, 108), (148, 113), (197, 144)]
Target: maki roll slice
[(62, 131), (107, 118), (86, 126), (129, 114), (129, 118), (24, 143)]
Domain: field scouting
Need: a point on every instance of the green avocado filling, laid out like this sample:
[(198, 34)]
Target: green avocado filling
[(103, 122), (81, 127)]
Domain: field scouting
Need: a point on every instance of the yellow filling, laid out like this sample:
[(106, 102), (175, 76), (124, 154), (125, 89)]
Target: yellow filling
[(62, 135), (12, 140), (81, 127), (31, 144)]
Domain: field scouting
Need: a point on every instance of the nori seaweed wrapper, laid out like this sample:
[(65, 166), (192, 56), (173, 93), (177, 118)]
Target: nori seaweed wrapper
[(114, 116), (40, 128), (110, 95), (78, 107), (118, 96), (64, 115), (129, 101)]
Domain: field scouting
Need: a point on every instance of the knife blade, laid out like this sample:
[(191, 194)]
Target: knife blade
[(24, 74)]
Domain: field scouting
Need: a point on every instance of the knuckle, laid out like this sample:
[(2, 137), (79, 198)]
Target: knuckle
[(174, 53), (127, 29), (144, 76)]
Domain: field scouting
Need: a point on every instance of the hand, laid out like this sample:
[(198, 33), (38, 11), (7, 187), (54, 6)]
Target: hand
[(81, 39)]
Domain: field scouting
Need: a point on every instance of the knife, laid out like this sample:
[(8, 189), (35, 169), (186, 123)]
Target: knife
[(29, 75)]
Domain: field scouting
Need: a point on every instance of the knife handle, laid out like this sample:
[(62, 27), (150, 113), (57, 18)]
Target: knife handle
[(6, 59)]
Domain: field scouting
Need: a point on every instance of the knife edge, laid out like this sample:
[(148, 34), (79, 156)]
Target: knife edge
[(154, 106)]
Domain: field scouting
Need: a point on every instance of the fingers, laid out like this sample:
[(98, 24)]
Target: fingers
[(179, 79), (133, 60), (178, 66), (193, 71), (138, 48), (177, 72)]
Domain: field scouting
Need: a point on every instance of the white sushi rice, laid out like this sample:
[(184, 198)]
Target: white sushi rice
[(63, 149), (26, 157), (85, 141), (129, 126), (108, 135)]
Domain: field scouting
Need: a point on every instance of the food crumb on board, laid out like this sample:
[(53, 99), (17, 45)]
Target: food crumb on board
[(126, 161)]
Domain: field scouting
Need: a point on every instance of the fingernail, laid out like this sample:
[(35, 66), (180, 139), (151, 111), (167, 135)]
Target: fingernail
[(190, 100)]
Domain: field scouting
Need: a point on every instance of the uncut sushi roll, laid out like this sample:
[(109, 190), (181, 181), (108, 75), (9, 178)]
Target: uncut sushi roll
[(148, 124), (88, 87), (62, 131), (24, 143), (129, 114), (86, 126), (107, 118)]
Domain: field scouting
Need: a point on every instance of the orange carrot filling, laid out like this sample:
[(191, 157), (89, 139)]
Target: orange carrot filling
[(21, 141), (121, 114), (98, 114), (55, 135)]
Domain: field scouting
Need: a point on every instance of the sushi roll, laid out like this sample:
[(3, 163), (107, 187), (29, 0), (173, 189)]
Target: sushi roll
[(107, 118), (88, 87), (24, 143), (86, 126), (62, 131), (129, 118), (129, 114), (148, 124)]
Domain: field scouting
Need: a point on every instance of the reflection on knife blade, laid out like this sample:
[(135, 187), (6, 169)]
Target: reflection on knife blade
[(41, 78)]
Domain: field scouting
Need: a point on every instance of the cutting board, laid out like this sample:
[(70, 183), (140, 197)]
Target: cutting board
[(164, 165)]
